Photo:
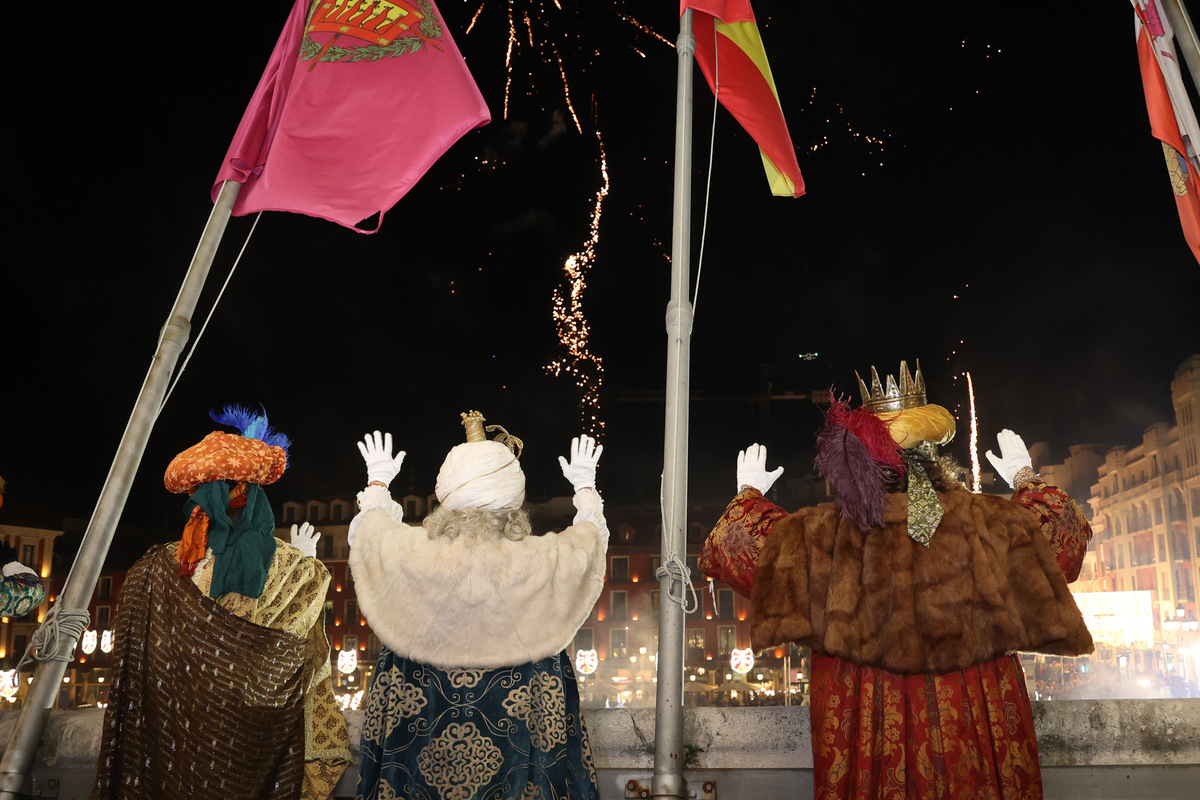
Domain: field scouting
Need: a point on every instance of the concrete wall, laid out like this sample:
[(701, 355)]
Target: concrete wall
[(1089, 749)]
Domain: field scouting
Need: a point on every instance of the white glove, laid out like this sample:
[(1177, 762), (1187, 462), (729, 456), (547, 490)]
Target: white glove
[(752, 469), (585, 454), (1014, 456), (376, 451), (304, 539)]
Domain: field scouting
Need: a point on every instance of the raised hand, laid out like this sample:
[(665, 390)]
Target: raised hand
[(1014, 456), (581, 471), (752, 469), (304, 539), (376, 449)]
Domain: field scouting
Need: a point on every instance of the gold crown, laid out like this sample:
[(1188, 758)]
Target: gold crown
[(375, 21), (476, 432), (909, 394), (473, 422)]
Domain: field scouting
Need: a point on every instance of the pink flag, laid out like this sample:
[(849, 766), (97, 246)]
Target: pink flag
[(360, 97)]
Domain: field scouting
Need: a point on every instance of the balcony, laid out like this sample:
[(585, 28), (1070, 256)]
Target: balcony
[(1115, 749)]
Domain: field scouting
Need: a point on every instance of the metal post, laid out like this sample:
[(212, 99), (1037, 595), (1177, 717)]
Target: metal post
[(1185, 37), (668, 731), (81, 582)]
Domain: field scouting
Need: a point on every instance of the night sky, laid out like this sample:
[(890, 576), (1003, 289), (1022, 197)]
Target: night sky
[(983, 193)]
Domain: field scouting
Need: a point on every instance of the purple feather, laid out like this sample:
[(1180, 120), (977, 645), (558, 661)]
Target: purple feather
[(251, 424), (855, 476)]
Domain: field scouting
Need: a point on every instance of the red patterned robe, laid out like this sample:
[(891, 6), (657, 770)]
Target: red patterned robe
[(964, 732)]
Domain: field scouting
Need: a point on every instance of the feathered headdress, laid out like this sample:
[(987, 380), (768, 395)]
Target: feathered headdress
[(857, 455), (243, 547), (251, 424)]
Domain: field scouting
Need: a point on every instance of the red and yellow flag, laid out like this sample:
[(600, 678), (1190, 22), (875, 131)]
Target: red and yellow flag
[(1170, 112), (730, 53)]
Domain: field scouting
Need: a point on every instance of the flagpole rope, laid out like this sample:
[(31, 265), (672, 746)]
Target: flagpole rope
[(211, 311), (712, 141)]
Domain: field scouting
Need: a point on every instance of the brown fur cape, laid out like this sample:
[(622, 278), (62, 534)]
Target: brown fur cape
[(987, 585)]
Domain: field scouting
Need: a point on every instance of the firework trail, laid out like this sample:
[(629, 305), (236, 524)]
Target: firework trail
[(570, 322), (975, 480)]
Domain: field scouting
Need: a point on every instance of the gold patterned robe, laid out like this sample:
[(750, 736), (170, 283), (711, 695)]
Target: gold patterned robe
[(915, 694)]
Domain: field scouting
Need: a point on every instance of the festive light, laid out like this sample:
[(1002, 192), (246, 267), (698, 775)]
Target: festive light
[(533, 26), (1118, 619), (89, 642), (347, 661), (586, 661), (571, 323), (8, 685), (350, 702), (742, 661), (975, 480), (106, 641)]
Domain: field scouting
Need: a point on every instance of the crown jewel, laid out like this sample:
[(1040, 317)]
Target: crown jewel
[(909, 394)]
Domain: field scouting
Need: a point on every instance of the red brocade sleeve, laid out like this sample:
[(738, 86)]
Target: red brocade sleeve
[(1062, 520), (731, 549)]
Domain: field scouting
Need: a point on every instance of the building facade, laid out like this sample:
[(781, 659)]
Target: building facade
[(35, 549), (1145, 507)]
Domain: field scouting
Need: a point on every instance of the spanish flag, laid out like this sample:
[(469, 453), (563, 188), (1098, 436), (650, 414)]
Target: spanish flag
[(731, 56)]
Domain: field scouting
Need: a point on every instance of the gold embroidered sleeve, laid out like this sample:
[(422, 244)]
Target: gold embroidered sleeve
[(1061, 519)]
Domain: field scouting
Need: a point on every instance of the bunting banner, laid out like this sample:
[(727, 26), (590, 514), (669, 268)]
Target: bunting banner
[(358, 101), (730, 54)]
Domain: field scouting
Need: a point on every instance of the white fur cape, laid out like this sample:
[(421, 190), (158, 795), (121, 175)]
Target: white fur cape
[(478, 603)]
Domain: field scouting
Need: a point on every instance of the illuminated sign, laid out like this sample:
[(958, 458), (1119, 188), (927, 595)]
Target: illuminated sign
[(742, 661), (586, 661)]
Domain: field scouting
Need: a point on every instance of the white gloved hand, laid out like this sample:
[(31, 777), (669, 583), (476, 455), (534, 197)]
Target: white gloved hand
[(376, 451), (585, 454), (304, 539), (1014, 456), (752, 469)]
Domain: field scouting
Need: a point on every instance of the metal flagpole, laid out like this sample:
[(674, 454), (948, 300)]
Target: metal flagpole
[(47, 679), (1185, 37), (668, 727)]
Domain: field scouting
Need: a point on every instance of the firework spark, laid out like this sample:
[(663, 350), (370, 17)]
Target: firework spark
[(975, 480), (571, 323), (537, 30), (872, 144)]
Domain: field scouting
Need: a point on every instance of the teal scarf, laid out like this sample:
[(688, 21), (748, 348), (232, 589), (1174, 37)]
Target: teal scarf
[(242, 548)]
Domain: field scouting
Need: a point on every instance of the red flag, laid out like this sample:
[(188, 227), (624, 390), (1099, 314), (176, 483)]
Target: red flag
[(731, 56), (357, 102), (1168, 114)]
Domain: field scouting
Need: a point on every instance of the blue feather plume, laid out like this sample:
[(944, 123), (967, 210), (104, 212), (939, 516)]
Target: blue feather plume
[(251, 424)]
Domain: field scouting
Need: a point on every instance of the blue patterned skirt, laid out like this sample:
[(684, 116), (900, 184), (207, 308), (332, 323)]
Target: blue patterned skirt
[(513, 733)]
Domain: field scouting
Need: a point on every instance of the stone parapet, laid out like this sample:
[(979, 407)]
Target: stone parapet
[(1088, 748)]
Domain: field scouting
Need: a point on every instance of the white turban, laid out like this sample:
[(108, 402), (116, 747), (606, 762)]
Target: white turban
[(481, 475)]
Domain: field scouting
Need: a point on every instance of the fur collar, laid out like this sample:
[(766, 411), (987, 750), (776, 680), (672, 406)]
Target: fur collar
[(988, 584), (475, 603)]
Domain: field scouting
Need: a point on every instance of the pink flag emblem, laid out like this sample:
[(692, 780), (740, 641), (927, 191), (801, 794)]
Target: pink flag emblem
[(358, 101)]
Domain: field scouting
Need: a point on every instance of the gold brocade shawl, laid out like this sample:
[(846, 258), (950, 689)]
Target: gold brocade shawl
[(988, 584), (222, 698), (293, 600)]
